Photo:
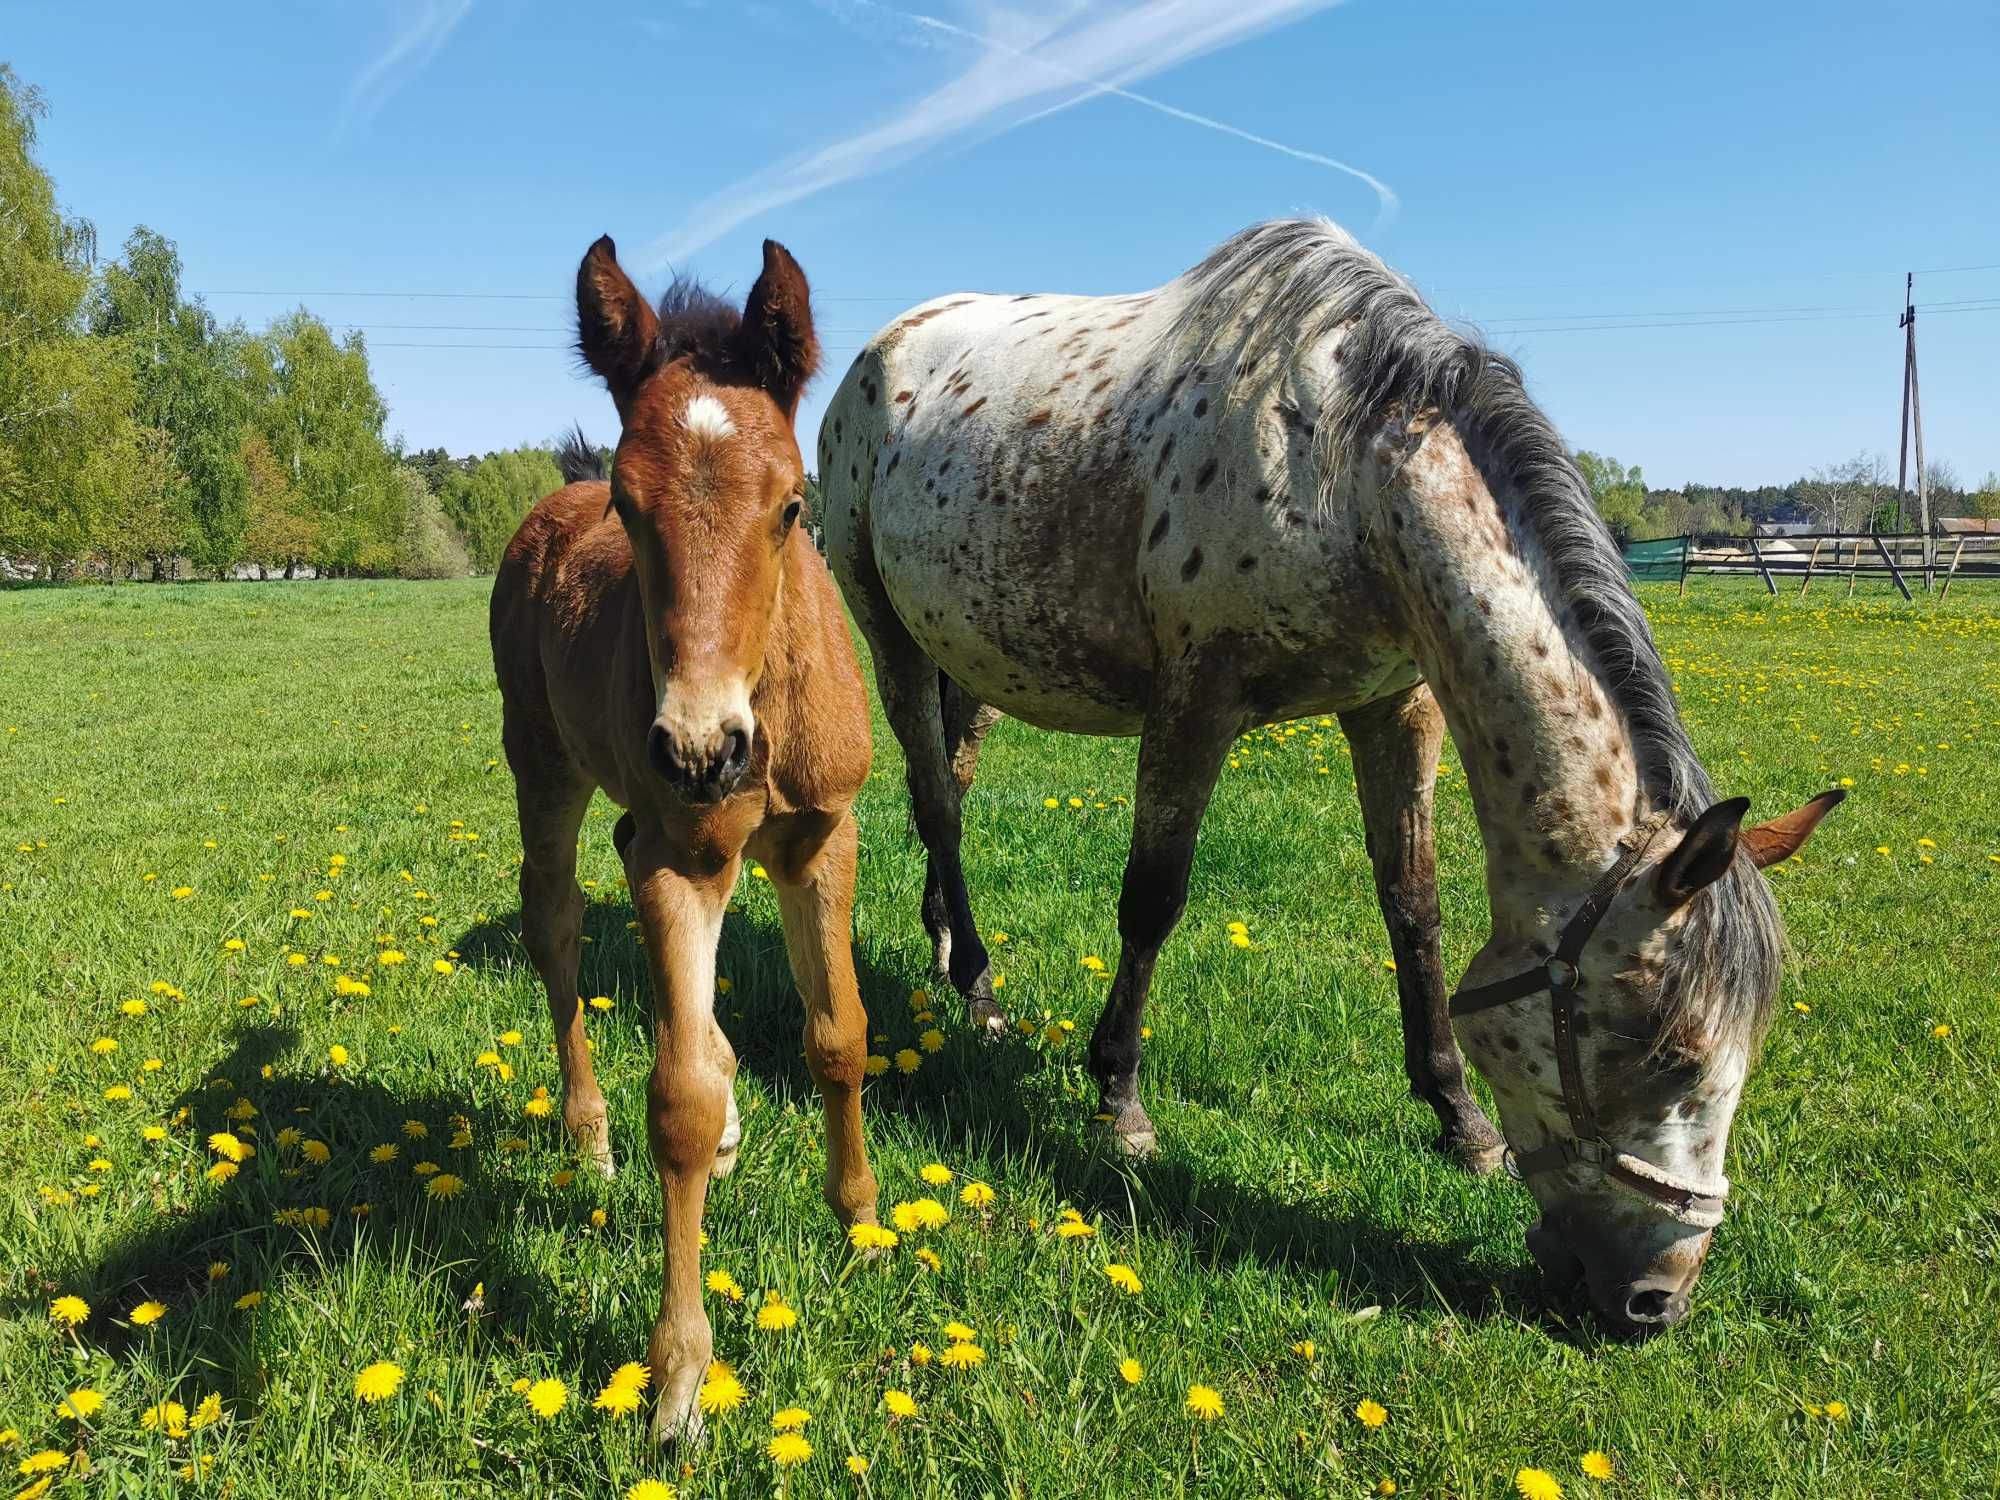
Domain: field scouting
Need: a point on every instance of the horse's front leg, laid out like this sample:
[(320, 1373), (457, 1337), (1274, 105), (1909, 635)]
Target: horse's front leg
[(1187, 733), (1396, 743), (687, 1105), (813, 869)]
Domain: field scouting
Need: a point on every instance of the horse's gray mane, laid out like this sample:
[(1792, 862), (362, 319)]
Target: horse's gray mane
[(1286, 285)]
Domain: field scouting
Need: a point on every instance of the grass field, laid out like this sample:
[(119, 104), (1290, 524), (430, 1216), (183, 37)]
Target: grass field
[(234, 803)]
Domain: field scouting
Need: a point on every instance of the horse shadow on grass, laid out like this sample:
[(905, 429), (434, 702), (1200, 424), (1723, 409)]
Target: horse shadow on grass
[(985, 1104)]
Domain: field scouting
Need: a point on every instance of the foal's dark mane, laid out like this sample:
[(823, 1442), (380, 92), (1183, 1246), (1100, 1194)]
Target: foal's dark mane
[(1285, 285)]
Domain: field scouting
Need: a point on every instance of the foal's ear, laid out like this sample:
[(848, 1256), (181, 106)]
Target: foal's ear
[(1704, 856), (778, 344), (615, 327), (1783, 837)]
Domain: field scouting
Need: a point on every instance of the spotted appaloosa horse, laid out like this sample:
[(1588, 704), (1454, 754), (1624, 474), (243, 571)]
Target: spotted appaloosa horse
[(1280, 485), (672, 637)]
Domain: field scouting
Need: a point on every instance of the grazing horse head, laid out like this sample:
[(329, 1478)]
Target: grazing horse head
[(708, 484), (1656, 982)]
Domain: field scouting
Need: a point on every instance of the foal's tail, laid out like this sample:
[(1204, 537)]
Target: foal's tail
[(580, 459)]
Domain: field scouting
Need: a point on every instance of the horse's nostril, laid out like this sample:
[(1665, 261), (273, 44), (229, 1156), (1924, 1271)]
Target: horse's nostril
[(735, 750), (1655, 1305), (660, 751)]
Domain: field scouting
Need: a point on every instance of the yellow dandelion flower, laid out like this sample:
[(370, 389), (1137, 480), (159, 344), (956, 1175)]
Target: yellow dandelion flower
[(426, 1169), (633, 1375), (600, 1002), (385, 1153), (962, 1357), (441, 966), (316, 1152), (856, 1465), (959, 1333), (909, 1060), (153, 1133), (1371, 1413), (1596, 1463), (249, 1300), (651, 1489), (932, 1040), (775, 1316), (168, 1416), (1537, 1484), (1131, 1371), (872, 1237), (724, 1285), (1205, 1402), (147, 1313), (547, 1397), (134, 1008), (208, 1413), (788, 1448), (900, 1404), (217, 1269), (45, 1462), (937, 1174), (222, 1171), (1124, 1278), (1385, 1487), (225, 1145), (289, 1137), (976, 1195), (721, 1393), (104, 1046), (920, 1354), (790, 1419), (1837, 1410), (876, 1065), (80, 1405), (416, 1130), (618, 1400), (444, 1185), (928, 1259), (390, 957), (539, 1108), (379, 1381)]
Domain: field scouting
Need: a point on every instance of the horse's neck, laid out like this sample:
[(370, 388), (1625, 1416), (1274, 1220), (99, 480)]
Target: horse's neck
[(1548, 757)]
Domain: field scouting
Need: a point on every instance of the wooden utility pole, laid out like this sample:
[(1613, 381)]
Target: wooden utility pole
[(1913, 426)]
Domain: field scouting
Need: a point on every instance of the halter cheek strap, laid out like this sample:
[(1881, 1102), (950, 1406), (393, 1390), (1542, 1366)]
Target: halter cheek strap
[(1696, 1204)]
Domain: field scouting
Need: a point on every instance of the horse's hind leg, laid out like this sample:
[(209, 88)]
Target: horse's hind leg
[(551, 799), (1396, 743), (966, 723), (1186, 736)]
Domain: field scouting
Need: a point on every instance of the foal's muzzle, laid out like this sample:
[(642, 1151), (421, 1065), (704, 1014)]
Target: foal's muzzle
[(703, 766)]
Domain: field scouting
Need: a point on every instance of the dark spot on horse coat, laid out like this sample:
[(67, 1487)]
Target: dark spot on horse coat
[(1206, 474), (1193, 564), (974, 407), (1159, 531), (1201, 407), (1246, 563), (1036, 419)]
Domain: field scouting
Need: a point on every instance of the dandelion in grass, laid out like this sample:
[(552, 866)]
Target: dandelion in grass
[(789, 1448), (133, 1008), (153, 1064), (959, 1333), (900, 1405), (1306, 1350), (976, 1195), (651, 1489), (225, 1144), (146, 1314), (600, 1002), (932, 1040), (337, 1055), (379, 1381), (540, 1107), (872, 1237), (316, 1152), (1837, 1410), (562, 1179), (1124, 1278), (721, 1392), (1204, 1402), (1597, 1464), (289, 1137), (790, 1419), (876, 1065), (928, 1259), (80, 1405), (444, 1185), (1385, 1487), (1537, 1484), (45, 1462), (1370, 1413), (1070, 1226), (390, 957), (169, 1417), (1131, 1371), (724, 1285), (221, 1172), (908, 1060), (618, 1400), (207, 1413), (249, 1300), (937, 1174), (633, 1375), (385, 1153), (416, 1130), (441, 966), (775, 1316), (218, 1269), (920, 1354), (104, 1046), (962, 1357), (546, 1397), (856, 1465), (118, 1093)]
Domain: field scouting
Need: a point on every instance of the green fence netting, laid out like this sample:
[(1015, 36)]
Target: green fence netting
[(1661, 561)]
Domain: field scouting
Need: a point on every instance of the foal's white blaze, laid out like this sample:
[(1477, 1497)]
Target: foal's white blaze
[(707, 417)]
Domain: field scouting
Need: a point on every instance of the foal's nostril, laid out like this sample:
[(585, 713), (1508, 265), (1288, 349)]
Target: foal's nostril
[(735, 751), (1655, 1306), (660, 751)]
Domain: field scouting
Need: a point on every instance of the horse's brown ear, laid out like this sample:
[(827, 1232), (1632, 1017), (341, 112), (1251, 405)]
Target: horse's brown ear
[(778, 343), (615, 327), (1704, 856), (1783, 837)]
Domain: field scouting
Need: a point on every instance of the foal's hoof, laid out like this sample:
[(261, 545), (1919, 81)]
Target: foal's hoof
[(680, 1430), (987, 1017), (1130, 1134), (592, 1139), (732, 1137)]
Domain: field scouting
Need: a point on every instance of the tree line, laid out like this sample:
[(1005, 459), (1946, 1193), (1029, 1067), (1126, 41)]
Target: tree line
[(136, 429)]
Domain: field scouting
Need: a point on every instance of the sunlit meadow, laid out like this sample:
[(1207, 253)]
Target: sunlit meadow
[(286, 1211)]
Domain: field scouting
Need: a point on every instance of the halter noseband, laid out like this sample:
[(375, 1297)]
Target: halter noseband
[(1699, 1205)]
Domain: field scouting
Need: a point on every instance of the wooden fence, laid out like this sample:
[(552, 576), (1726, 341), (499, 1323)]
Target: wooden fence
[(1905, 558)]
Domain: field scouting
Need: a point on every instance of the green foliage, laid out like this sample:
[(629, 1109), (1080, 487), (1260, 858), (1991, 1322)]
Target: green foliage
[(430, 546), (1620, 496), (487, 501)]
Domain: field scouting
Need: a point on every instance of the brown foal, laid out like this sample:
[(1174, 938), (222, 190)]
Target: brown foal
[(673, 637)]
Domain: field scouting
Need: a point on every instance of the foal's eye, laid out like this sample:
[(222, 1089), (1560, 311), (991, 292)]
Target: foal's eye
[(791, 515)]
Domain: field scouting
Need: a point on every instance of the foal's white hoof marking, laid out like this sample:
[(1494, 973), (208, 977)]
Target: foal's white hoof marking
[(987, 1016), (732, 1137)]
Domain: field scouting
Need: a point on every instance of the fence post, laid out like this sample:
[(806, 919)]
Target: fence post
[(1818, 542), (1957, 553), (1758, 556), (1894, 571)]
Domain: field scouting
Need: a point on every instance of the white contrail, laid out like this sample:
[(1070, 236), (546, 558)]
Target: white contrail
[(1103, 55), (1384, 194), (432, 23)]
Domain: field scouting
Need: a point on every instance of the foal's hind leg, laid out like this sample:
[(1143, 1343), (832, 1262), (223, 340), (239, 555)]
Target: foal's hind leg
[(551, 799), (1187, 734), (1396, 744), (966, 723)]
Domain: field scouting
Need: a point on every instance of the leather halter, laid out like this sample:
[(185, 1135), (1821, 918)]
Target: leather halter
[(1558, 975)]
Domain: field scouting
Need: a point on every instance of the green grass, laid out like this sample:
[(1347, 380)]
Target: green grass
[(233, 740)]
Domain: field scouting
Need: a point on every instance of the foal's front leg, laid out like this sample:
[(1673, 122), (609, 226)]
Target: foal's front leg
[(687, 1105), (1186, 736), (812, 866)]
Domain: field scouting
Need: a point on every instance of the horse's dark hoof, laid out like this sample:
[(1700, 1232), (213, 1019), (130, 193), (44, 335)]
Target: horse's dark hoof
[(1129, 1133), (1479, 1155)]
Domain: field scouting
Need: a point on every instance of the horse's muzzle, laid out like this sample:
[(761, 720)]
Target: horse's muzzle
[(705, 768)]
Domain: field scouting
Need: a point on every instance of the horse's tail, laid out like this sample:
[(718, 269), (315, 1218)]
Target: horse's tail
[(580, 459)]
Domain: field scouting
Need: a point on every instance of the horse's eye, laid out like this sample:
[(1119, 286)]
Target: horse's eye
[(791, 515)]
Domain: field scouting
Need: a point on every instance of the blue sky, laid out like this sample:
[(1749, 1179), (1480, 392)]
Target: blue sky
[(1755, 177)]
